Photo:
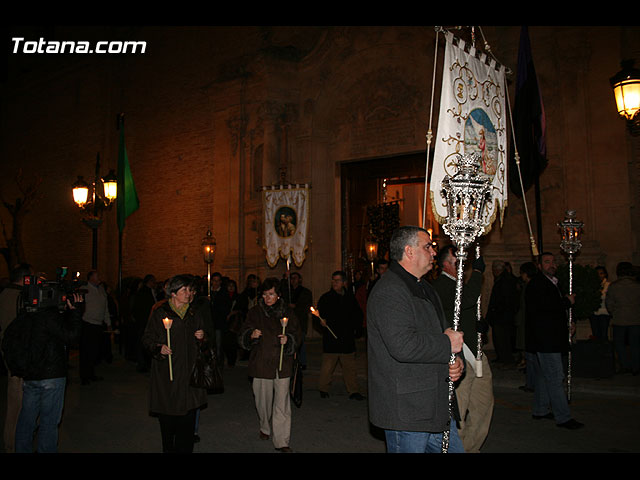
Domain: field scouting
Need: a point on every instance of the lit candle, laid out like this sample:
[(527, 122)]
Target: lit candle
[(283, 322), (317, 314), (167, 324)]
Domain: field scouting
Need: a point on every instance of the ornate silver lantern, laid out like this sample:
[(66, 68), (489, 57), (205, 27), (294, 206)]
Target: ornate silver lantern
[(571, 229), (466, 194)]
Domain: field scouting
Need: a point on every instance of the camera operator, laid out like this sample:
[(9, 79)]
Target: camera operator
[(52, 332), (9, 309)]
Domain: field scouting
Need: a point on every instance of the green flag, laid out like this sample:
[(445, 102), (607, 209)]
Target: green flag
[(127, 196)]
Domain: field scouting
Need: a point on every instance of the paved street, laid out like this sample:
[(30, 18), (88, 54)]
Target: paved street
[(111, 416)]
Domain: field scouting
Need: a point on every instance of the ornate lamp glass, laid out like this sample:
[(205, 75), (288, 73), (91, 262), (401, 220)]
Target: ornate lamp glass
[(466, 194), (571, 230), (209, 247), (80, 192), (110, 183), (626, 89)]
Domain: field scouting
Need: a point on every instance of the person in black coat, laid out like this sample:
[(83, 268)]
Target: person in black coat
[(503, 306), (172, 399), (143, 302), (340, 315), (220, 309), (547, 335)]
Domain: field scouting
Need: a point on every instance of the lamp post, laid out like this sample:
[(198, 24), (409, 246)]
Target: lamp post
[(209, 252), (94, 199), (466, 193), (626, 89), (571, 245)]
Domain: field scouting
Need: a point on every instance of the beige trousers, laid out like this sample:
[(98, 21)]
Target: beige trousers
[(475, 401), (348, 364), (274, 408)]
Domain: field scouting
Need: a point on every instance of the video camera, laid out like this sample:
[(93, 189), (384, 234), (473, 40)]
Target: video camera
[(38, 293)]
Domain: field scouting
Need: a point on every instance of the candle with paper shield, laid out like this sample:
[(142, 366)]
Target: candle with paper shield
[(317, 314), (283, 322), (167, 324)]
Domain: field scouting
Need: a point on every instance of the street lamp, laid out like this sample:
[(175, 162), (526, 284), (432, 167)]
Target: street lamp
[(209, 252), (570, 244), (93, 199), (626, 89)]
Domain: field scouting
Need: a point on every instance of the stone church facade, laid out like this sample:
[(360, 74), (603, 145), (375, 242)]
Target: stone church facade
[(213, 114)]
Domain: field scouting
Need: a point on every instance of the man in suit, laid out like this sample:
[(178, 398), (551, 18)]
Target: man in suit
[(547, 335), (474, 393), (409, 349)]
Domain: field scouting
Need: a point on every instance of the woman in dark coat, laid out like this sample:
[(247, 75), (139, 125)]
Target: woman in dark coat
[(175, 402), (261, 333)]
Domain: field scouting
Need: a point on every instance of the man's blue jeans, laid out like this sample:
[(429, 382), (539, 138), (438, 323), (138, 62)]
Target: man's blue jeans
[(632, 333), (422, 442), (44, 399), (549, 395)]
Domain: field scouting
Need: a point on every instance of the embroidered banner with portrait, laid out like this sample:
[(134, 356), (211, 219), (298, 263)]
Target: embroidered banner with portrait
[(286, 221), (472, 118)]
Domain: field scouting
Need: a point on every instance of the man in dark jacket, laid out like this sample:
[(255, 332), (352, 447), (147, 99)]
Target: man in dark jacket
[(409, 352), (547, 334), (340, 315), (52, 333), (503, 306), (474, 392)]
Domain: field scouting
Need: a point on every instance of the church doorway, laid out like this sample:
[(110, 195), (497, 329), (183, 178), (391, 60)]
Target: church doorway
[(377, 195)]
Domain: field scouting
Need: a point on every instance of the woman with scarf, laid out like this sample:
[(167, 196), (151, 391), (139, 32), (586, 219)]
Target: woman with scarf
[(262, 334), (174, 401)]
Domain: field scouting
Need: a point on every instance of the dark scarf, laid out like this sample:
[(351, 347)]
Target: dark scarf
[(273, 311)]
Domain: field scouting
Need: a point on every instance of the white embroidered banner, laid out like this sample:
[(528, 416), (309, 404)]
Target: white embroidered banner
[(286, 221), (472, 118)]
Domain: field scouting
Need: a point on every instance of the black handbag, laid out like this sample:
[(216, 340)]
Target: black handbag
[(295, 386), (206, 372)]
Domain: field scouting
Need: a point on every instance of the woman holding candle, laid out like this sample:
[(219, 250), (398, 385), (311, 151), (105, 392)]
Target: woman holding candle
[(272, 341), (172, 337)]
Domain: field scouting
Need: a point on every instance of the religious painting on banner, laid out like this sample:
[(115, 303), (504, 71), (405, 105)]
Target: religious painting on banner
[(472, 118), (286, 219)]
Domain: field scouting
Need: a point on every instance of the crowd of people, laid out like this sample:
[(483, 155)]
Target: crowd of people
[(429, 384)]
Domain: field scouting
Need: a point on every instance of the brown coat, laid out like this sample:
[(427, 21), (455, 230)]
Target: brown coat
[(175, 397), (264, 358)]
